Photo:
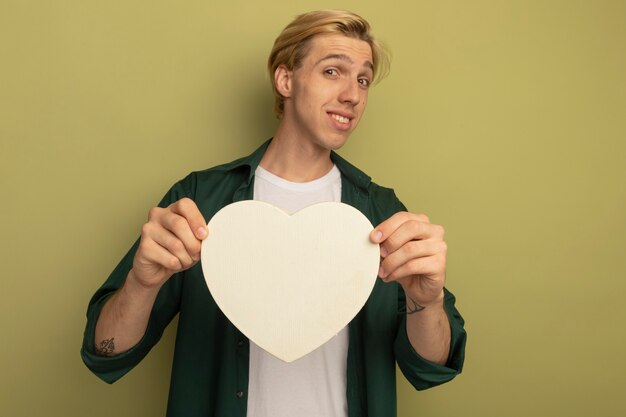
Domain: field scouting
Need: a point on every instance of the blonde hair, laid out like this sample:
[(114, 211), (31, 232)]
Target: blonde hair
[(291, 46)]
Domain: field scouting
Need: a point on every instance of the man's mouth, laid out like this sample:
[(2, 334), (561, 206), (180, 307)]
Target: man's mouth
[(339, 118)]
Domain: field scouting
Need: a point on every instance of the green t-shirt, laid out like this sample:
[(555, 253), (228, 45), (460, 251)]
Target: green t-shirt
[(211, 358)]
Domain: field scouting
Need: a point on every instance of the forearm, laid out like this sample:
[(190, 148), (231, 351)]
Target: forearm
[(124, 318), (428, 330)]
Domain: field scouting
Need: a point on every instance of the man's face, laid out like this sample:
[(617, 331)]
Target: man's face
[(327, 93)]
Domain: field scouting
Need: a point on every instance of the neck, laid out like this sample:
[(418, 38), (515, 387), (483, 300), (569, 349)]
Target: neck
[(295, 160)]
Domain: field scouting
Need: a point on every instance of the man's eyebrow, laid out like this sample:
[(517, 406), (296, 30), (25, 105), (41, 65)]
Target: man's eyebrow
[(343, 57)]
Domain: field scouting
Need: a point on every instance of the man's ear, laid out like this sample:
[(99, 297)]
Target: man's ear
[(282, 80)]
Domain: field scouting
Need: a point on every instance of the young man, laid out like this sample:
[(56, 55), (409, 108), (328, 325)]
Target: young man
[(322, 65)]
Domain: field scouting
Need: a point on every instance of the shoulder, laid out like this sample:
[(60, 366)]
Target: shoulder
[(382, 195), (384, 202), (225, 176), (209, 187)]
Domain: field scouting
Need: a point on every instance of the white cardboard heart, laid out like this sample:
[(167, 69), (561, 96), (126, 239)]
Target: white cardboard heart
[(289, 283)]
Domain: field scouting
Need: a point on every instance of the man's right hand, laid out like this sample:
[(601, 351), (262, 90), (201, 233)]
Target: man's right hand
[(170, 243)]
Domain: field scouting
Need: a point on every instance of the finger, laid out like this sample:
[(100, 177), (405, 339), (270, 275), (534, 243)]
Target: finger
[(409, 231), (170, 242), (179, 227), (152, 253), (386, 228), (426, 266), (411, 250), (188, 209)]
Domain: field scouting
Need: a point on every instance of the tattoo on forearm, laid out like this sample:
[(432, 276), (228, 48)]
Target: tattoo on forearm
[(415, 308), (106, 348)]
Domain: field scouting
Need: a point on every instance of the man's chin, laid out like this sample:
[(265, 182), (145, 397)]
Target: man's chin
[(337, 143)]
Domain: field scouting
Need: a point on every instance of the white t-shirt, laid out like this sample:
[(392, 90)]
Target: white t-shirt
[(314, 385)]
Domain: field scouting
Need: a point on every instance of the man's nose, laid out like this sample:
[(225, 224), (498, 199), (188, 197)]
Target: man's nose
[(350, 92)]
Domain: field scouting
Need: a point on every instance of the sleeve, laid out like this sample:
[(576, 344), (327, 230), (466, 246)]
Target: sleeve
[(166, 306), (421, 373)]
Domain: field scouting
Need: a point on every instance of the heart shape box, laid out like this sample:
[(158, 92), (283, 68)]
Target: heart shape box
[(289, 283)]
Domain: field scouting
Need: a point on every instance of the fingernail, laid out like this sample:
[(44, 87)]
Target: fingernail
[(201, 232), (381, 272), (378, 235), (383, 252)]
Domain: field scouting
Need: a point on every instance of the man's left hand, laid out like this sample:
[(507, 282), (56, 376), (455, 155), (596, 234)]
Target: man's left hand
[(413, 253)]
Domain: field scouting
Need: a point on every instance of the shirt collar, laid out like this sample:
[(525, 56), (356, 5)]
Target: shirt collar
[(252, 161)]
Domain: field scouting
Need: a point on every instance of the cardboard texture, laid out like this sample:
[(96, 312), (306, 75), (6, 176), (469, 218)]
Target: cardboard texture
[(289, 283)]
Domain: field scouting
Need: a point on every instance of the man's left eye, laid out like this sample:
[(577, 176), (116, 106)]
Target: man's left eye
[(364, 82)]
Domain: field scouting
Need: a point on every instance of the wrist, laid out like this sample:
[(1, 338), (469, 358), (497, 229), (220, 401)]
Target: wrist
[(136, 288), (418, 302)]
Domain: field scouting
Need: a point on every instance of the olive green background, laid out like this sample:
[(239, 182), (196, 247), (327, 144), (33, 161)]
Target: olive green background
[(505, 121)]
